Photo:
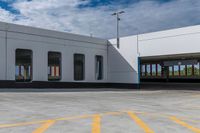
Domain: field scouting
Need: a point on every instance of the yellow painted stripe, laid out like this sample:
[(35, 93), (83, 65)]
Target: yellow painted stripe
[(21, 124), (66, 119), (182, 123), (96, 125), (43, 121), (140, 123), (113, 113), (44, 126), (74, 118)]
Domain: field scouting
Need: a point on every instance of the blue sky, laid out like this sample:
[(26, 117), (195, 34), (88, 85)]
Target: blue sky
[(95, 3), (94, 16), (6, 5)]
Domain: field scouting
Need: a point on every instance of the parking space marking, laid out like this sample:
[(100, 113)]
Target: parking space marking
[(96, 125), (44, 126), (73, 118), (140, 123), (113, 113), (96, 121), (21, 124), (167, 116), (184, 124), (58, 119)]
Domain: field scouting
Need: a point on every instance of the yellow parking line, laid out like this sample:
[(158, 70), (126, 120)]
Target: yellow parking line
[(140, 123), (43, 121), (166, 116), (57, 119), (44, 126), (89, 116), (194, 121), (113, 113), (96, 125), (74, 118), (182, 123), (21, 124)]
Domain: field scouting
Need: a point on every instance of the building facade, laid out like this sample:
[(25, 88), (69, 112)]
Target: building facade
[(38, 58), (31, 57), (164, 56)]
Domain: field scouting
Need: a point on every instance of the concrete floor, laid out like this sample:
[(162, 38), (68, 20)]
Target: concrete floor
[(164, 111)]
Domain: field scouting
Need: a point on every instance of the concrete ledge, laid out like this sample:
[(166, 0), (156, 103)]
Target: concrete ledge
[(16, 90), (40, 84), (171, 80), (169, 86)]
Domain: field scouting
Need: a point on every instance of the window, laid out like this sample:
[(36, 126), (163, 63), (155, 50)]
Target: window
[(176, 70), (182, 70), (99, 67), (196, 70), (148, 70), (154, 67), (54, 66), (170, 70), (79, 67), (159, 70), (143, 70), (189, 70), (23, 65)]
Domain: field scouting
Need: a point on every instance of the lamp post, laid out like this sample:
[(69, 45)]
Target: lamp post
[(118, 19)]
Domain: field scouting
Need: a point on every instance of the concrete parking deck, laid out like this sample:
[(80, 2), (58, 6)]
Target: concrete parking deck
[(165, 111)]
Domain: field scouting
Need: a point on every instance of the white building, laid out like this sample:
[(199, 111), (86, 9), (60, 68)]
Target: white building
[(32, 57)]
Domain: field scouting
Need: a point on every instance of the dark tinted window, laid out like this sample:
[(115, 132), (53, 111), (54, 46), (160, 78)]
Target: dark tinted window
[(79, 67), (23, 65), (99, 67), (54, 66)]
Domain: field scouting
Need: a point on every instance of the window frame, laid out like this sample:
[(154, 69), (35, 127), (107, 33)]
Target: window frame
[(198, 69), (60, 63), (101, 66), (148, 67), (143, 70), (189, 72), (159, 67), (153, 70), (83, 67), (31, 71)]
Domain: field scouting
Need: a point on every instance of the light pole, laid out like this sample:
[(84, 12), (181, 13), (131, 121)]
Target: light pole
[(118, 19)]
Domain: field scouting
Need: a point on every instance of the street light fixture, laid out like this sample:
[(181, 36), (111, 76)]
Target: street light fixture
[(118, 19)]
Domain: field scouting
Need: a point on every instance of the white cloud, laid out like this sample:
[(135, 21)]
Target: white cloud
[(63, 15), (6, 16)]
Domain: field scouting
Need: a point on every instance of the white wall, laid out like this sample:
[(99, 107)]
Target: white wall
[(43, 42), (120, 65), (123, 62), (170, 42), (2, 55)]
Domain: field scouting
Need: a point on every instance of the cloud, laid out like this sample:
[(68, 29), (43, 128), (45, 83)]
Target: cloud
[(140, 17), (6, 16)]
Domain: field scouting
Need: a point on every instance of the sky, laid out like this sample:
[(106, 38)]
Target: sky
[(94, 17)]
